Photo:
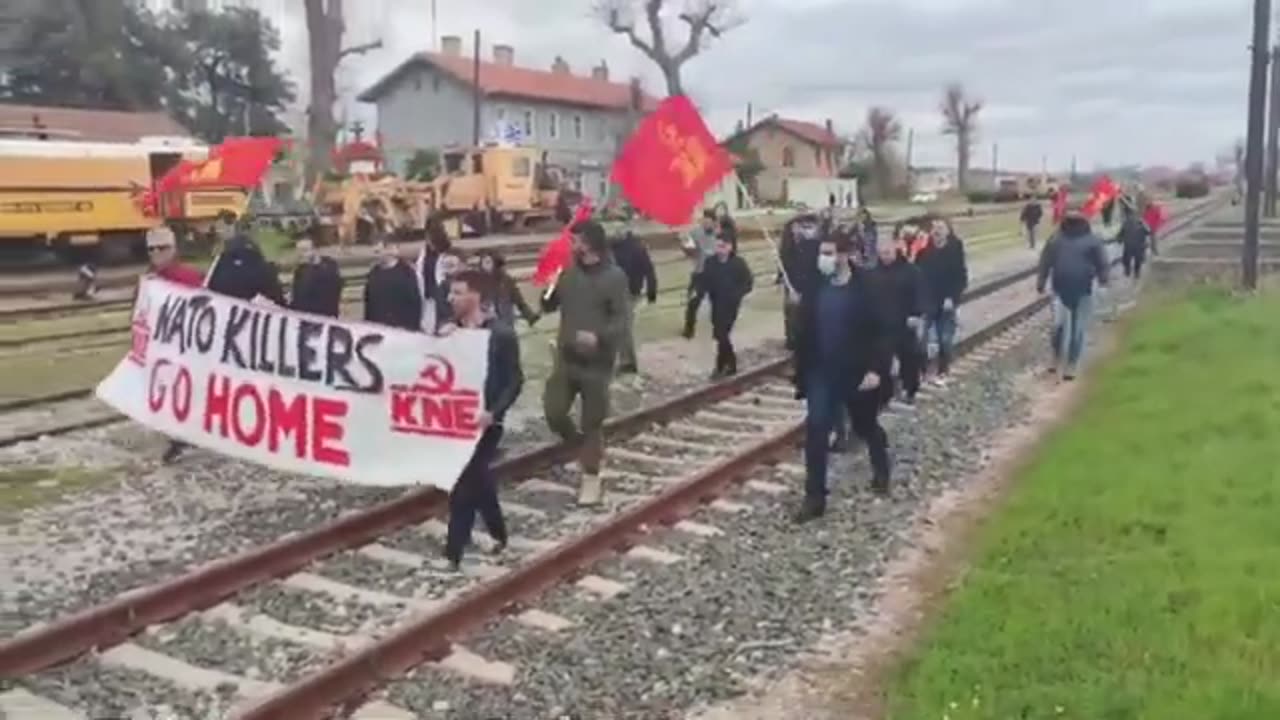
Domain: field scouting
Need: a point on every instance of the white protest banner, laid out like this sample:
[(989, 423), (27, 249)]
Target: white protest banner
[(363, 403)]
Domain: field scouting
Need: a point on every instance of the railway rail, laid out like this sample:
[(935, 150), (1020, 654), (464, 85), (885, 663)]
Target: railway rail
[(754, 414)]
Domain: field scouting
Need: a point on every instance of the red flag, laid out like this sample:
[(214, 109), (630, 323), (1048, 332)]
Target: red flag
[(1059, 205), (237, 162), (1104, 191), (670, 162), (556, 255)]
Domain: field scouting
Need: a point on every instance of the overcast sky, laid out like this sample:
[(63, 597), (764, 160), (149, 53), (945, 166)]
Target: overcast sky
[(1112, 81)]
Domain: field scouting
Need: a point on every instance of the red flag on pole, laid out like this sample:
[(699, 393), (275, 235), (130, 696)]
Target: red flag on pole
[(670, 163), (237, 162), (1104, 191), (556, 254)]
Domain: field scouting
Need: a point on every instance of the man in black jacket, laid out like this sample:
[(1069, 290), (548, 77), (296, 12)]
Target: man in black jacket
[(1133, 238), (898, 283), (633, 257), (728, 280), (1032, 214), (1075, 258), (240, 271), (477, 489), (844, 353), (391, 290), (799, 253), (946, 276), (317, 282)]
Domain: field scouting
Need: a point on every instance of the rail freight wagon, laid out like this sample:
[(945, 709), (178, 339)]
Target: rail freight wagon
[(85, 200)]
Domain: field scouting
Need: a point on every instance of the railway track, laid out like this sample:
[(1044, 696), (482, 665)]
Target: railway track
[(665, 461)]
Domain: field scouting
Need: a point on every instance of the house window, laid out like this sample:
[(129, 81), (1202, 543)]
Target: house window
[(435, 83), (528, 124), (817, 157), (501, 114), (602, 130), (577, 127), (417, 83), (553, 126), (788, 157)]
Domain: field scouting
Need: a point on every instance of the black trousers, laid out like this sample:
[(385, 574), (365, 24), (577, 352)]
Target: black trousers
[(476, 492), (694, 296), (825, 401), (911, 361), (1131, 259), (723, 318)]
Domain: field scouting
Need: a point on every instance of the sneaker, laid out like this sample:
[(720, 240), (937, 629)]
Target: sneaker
[(880, 484), (590, 491), (940, 381)]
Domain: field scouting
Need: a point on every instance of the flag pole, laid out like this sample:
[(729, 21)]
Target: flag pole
[(777, 254)]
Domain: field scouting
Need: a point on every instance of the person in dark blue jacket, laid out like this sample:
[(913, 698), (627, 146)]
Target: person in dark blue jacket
[(477, 489), (843, 358)]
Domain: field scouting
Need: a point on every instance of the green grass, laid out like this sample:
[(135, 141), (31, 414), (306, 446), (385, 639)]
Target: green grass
[(1133, 571)]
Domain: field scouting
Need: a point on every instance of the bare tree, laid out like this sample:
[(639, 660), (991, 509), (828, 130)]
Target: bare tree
[(325, 27), (960, 118), (706, 19), (878, 136)]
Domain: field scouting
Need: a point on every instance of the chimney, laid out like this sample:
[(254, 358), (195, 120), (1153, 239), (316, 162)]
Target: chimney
[(601, 71), (560, 67), (830, 128), (451, 45), (504, 55)]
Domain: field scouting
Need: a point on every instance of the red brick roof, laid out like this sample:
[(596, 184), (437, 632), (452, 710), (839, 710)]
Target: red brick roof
[(89, 125), (519, 82), (807, 131)]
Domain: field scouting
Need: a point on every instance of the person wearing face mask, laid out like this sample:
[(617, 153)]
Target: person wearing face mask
[(699, 246), (843, 359), (592, 298), (946, 276), (391, 290), (477, 489), (317, 282), (801, 236), (728, 281)]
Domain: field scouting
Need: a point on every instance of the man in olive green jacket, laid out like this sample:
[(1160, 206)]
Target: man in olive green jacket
[(592, 297)]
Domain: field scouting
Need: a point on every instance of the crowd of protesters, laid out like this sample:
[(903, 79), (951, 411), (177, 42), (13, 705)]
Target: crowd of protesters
[(863, 315)]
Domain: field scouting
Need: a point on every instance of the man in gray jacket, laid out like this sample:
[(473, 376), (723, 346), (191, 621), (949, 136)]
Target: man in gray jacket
[(699, 245), (1074, 257)]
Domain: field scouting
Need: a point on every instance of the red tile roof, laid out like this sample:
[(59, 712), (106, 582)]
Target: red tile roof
[(519, 82), (89, 125), (807, 131)]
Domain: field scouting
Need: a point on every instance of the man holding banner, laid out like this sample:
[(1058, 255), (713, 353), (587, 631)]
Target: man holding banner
[(477, 489)]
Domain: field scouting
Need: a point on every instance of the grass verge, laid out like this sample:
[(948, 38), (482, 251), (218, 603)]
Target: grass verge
[(22, 488), (1131, 572)]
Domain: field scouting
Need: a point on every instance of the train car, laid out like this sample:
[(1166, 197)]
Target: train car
[(85, 199)]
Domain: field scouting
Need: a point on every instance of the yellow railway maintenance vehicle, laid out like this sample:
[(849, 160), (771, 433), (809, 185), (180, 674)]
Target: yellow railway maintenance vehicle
[(85, 200)]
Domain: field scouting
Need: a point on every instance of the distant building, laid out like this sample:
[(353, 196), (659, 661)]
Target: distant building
[(932, 180), (428, 101), (789, 149), (60, 123)]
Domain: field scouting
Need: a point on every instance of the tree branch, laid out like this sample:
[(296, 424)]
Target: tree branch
[(360, 49)]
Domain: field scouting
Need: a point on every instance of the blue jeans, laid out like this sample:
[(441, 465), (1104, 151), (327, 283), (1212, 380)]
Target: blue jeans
[(1070, 327), (942, 325), (826, 403)]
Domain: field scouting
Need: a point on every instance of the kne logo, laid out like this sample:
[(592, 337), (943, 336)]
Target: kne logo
[(433, 406)]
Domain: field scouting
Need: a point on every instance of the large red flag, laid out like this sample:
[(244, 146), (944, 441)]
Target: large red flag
[(670, 163), (556, 254), (1103, 192), (237, 162)]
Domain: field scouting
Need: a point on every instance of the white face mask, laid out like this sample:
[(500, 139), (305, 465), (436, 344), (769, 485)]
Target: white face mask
[(827, 264)]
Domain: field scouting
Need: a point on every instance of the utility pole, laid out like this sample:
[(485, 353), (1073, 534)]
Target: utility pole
[(911, 144), (995, 161), (475, 84), (1273, 137), (1044, 166), (1253, 143), (1073, 169), (435, 34)]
